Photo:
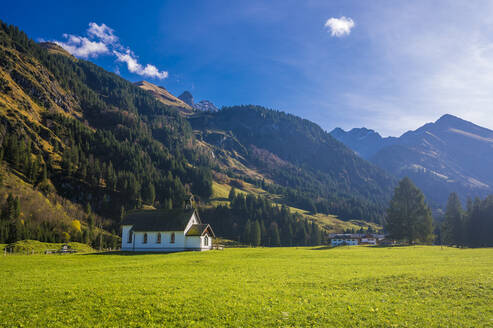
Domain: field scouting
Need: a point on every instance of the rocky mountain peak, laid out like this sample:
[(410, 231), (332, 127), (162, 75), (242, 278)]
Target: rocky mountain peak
[(449, 119), (187, 98), (205, 105)]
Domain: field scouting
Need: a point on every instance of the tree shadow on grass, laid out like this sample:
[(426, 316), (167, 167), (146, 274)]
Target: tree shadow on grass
[(395, 246), (123, 253), (322, 248), (325, 247)]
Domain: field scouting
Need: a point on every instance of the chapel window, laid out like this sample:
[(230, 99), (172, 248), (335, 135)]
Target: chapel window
[(145, 238), (172, 237), (158, 240)]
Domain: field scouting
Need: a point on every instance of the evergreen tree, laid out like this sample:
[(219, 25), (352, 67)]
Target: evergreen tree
[(90, 217), (17, 208), (480, 223), (168, 203), (67, 165), (247, 231), (275, 240), (263, 233), (409, 217), (301, 235), (122, 213), (149, 193), (256, 234), (453, 225), (232, 193), (44, 176), (316, 236)]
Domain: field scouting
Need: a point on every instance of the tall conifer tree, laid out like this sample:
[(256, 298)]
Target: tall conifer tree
[(409, 217), (453, 225)]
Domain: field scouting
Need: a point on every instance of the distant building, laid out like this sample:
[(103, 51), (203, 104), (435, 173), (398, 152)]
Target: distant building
[(368, 240), (352, 239), (338, 241), (165, 231)]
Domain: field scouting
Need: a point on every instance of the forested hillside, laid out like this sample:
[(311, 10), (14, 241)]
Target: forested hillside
[(298, 160), (70, 128)]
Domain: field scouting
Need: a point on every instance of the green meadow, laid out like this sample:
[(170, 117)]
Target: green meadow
[(422, 286)]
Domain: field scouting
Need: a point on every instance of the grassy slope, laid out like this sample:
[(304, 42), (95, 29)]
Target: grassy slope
[(34, 202), (38, 247), (164, 96), (37, 206), (343, 287)]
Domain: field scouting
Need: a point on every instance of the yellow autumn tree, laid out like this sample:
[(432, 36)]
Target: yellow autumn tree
[(76, 225)]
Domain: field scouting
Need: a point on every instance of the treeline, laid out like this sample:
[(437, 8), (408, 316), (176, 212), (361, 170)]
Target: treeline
[(409, 219), (344, 206), (471, 227), (15, 227), (321, 200), (258, 222)]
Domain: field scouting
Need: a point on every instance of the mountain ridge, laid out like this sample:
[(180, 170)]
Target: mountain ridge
[(164, 96), (450, 154), (273, 138)]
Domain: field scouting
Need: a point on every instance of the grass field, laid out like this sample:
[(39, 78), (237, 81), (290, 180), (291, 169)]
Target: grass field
[(290, 287)]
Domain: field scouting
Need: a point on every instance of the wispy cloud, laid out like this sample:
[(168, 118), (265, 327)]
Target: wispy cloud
[(339, 26), (101, 40), (103, 32), (133, 65)]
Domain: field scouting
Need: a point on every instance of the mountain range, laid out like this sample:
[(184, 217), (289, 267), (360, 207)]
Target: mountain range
[(72, 133), (78, 139), (449, 155)]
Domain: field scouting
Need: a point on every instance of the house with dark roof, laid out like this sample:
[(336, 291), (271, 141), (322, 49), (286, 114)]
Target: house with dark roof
[(165, 231)]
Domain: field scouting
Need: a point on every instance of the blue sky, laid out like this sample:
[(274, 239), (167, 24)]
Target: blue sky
[(387, 65)]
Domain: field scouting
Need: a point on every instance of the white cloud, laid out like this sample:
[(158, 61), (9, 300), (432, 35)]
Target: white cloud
[(102, 32), (101, 40), (133, 66), (339, 26), (82, 46)]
